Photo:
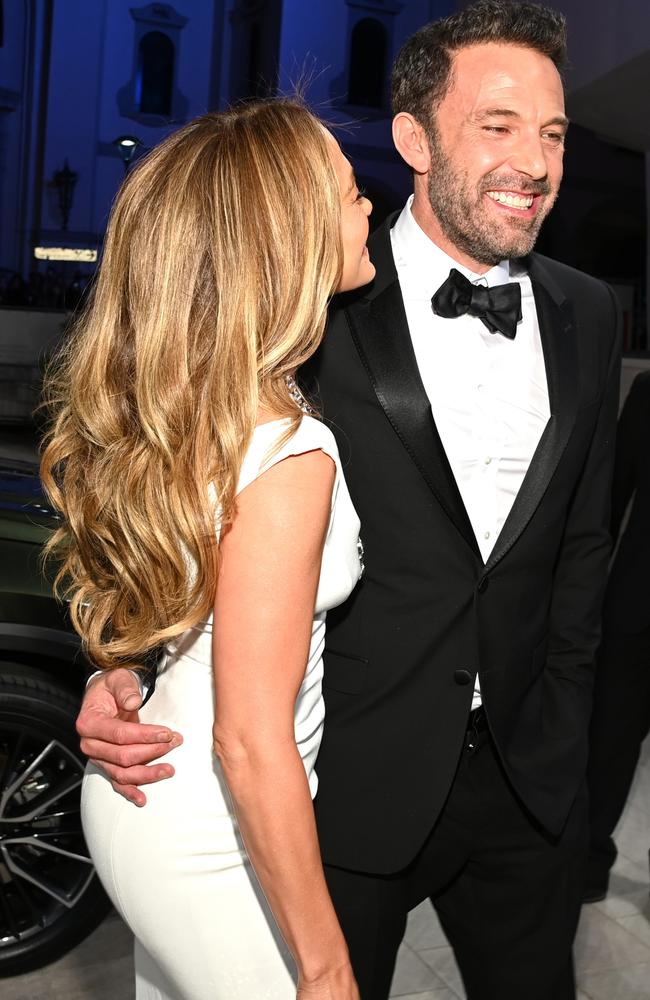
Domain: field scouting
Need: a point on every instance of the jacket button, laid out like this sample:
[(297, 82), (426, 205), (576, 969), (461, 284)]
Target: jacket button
[(483, 584), (462, 677)]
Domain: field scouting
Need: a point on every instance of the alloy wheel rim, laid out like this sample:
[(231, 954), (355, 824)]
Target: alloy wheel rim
[(45, 867)]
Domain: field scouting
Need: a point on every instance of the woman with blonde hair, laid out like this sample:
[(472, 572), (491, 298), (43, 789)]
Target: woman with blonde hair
[(204, 511)]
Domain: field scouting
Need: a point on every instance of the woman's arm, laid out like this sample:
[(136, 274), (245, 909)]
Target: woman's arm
[(270, 566)]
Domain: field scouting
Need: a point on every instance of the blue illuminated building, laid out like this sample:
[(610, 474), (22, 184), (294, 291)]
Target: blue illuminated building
[(87, 86), (75, 76)]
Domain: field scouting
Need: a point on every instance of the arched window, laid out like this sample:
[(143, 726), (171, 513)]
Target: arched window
[(155, 75), (367, 72)]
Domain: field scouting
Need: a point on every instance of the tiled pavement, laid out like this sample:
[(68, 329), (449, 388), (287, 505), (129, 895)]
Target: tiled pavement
[(612, 947)]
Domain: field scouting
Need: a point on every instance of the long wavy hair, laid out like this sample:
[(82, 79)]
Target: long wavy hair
[(222, 252)]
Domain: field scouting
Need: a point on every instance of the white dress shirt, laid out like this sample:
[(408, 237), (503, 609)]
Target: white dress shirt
[(488, 394)]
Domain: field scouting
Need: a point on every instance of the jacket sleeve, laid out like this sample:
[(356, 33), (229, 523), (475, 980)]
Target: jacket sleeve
[(581, 571)]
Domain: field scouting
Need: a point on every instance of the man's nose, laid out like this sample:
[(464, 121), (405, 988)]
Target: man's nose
[(529, 157)]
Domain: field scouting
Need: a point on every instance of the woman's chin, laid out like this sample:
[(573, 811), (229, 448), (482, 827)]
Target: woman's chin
[(364, 276)]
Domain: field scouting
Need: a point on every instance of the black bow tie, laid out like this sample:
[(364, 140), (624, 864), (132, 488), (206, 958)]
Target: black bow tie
[(498, 307)]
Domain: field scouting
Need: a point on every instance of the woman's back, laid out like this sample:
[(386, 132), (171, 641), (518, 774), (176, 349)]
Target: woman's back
[(180, 860)]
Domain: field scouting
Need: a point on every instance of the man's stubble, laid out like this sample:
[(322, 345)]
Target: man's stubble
[(463, 217)]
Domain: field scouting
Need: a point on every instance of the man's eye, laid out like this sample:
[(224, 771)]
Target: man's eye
[(496, 129), (556, 137)]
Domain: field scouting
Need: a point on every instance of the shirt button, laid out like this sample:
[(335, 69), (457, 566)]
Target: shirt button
[(487, 459), (479, 388), (486, 535), (462, 677)]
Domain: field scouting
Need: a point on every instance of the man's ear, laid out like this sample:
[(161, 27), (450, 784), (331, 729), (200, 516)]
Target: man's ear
[(411, 142)]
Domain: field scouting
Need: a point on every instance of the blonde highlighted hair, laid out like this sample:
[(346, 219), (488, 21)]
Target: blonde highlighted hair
[(222, 252)]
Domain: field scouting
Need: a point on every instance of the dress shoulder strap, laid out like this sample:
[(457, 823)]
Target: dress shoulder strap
[(310, 435)]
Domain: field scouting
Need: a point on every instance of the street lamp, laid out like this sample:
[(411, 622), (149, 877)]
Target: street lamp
[(126, 147), (64, 181)]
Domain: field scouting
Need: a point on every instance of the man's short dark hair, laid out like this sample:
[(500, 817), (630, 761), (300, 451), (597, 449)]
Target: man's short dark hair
[(422, 72)]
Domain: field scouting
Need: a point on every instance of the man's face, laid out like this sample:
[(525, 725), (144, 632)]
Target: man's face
[(496, 145)]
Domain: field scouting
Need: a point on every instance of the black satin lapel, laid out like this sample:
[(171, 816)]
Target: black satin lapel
[(557, 330), (380, 332)]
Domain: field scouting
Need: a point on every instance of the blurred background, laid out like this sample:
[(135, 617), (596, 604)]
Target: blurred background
[(88, 86)]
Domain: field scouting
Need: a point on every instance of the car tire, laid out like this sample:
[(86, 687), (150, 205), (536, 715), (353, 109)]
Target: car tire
[(50, 896)]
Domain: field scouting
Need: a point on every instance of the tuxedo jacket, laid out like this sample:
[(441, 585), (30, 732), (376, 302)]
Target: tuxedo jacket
[(403, 652), (627, 600)]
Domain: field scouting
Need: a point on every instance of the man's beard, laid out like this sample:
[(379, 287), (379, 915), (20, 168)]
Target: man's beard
[(464, 218)]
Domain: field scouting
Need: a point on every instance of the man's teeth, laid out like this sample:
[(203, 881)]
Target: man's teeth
[(513, 200)]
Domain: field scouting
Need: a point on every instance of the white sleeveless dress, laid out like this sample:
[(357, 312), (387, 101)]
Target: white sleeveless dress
[(176, 869)]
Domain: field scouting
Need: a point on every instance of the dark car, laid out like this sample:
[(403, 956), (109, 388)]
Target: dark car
[(50, 896)]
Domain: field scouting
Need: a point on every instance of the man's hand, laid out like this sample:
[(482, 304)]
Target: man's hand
[(114, 739)]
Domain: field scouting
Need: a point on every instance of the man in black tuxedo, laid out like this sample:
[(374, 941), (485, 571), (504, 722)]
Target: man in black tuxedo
[(473, 391), (621, 717)]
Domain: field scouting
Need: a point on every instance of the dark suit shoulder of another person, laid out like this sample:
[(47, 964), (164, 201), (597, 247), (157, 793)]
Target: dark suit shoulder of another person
[(627, 602)]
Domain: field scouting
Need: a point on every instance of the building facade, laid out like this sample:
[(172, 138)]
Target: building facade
[(87, 88)]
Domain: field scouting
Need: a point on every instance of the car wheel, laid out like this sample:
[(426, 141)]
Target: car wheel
[(50, 896)]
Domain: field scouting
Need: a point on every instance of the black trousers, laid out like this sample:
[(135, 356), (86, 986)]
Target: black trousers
[(507, 894), (619, 724)]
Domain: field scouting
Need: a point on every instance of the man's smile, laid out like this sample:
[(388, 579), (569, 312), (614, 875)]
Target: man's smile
[(516, 202)]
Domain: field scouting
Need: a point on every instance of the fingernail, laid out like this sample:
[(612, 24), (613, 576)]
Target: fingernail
[(165, 772), (163, 737), (176, 740), (132, 702)]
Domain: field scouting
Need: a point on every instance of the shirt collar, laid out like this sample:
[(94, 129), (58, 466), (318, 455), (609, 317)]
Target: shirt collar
[(423, 266)]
